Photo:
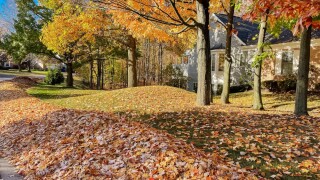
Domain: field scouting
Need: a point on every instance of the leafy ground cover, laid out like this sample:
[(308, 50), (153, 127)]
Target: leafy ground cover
[(276, 103), (46, 142), (271, 143)]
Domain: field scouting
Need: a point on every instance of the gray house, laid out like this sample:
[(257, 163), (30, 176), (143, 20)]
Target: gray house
[(244, 43)]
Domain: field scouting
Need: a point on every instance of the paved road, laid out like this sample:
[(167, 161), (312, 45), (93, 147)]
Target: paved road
[(4, 77), (8, 172)]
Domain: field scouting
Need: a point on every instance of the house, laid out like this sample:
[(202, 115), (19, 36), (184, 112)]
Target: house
[(244, 44)]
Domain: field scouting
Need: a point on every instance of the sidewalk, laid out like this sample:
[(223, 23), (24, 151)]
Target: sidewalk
[(7, 171)]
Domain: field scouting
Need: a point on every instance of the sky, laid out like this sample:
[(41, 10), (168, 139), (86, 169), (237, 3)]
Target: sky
[(7, 14)]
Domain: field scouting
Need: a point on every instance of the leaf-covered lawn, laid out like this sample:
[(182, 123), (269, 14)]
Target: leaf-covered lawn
[(272, 143), (141, 100), (275, 103), (46, 142)]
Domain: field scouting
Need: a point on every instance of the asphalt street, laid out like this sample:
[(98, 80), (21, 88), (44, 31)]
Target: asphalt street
[(4, 77)]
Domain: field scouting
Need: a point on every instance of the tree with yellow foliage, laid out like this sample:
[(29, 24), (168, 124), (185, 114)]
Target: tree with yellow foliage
[(72, 28)]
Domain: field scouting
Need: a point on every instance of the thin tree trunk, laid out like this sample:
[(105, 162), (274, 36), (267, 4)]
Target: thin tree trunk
[(132, 62), (19, 66), (102, 74), (301, 107), (69, 74), (147, 61), (29, 66), (91, 74), (257, 95), (99, 74), (160, 78), (203, 50), (228, 59)]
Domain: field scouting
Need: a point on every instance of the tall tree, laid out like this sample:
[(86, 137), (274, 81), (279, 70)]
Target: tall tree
[(72, 28), (301, 102), (171, 17), (228, 58), (25, 39), (257, 95), (306, 14)]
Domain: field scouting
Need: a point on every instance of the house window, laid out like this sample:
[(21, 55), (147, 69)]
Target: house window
[(213, 62), (243, 58), (195, 87), (287, 62), (221, 62)]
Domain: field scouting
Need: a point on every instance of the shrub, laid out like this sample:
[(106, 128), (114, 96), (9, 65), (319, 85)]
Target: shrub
[(4, 68), (317, 87), (54, 76), (280, 86), (173, 76), (240, 88), (234, 89)]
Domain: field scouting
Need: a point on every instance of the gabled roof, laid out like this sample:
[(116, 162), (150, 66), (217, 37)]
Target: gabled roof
[(248, 32), (246, 29)]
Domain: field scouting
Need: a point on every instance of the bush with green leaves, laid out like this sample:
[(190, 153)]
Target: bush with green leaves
[(173, 76), (54, 77)]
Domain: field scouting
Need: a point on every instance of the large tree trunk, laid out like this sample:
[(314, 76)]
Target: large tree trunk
[(257, 95), (228, 58), (69, 74), (203, 50), (132, 62), (301, 107)]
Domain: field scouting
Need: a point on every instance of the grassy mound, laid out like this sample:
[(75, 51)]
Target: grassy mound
[(149, 99)]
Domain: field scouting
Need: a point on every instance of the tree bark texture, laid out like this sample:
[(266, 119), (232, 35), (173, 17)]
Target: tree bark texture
[(132, 62), (91, 74), (257, 95), (99, 74), (69, 74), (301, 107), (228, 59), (203, 50)]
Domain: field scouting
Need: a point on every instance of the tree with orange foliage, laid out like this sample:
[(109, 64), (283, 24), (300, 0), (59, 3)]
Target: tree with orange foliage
[(306, 14), (137, 29), (160, 18)]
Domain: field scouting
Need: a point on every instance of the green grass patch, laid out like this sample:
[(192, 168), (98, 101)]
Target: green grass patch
[(15, 72)]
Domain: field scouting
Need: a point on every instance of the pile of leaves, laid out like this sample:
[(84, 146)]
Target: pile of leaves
[(24, 82), (49, 143)]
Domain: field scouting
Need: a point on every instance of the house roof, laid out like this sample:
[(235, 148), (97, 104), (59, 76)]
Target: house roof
[(248, 32), (246, 29)]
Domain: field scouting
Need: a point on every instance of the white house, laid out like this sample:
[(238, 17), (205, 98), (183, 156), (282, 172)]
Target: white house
[(244, 44)]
